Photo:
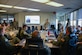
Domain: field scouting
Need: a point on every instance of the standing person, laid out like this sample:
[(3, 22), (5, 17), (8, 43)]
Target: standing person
[(59, 26), (68, 23), (46, 24), (15, 24)]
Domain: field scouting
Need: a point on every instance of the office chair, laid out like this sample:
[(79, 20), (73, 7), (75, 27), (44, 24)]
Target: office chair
[(35, 47)]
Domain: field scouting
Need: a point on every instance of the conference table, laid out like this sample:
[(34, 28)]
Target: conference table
[(47, 39), (55, 50)]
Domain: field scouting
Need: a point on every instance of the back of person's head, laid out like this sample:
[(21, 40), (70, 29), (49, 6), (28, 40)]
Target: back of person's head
[(28, 28), (69, 30), (52, 27), (32, 26), (36, 28), (35, 33)]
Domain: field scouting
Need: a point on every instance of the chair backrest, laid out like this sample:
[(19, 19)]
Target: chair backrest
[(35, 46), (34, 43)]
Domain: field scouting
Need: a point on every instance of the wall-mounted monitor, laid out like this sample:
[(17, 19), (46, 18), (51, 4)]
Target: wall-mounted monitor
[(32, 19)]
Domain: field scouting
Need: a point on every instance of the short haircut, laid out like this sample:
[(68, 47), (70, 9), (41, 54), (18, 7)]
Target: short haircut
[(69, 29), (35, 33), (24, 26)]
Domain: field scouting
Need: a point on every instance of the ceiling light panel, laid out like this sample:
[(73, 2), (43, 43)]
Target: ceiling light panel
[(3, 11), (6, 6), (23, 8), (17, 7), (31, 9), (55, 4), (41, 1)]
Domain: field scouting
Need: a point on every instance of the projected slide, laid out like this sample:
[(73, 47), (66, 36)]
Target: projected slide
[(32, 19)]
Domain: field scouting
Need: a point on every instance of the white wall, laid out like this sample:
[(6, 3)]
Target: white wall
[(20, 17)]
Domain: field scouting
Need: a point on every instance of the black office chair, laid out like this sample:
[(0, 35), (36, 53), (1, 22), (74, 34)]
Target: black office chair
[(34, 47)]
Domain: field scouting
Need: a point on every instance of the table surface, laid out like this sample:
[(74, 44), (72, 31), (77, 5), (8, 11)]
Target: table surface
[(43, 36)]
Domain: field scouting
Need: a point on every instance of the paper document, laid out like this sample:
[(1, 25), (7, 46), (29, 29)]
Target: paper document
[(22, 42)]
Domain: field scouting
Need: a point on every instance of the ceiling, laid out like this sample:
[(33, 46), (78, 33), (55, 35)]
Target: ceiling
[(69, 5)]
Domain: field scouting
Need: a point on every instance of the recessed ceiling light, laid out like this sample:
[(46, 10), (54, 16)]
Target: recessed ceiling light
[(55, 4), (6, 6), (41, 1)]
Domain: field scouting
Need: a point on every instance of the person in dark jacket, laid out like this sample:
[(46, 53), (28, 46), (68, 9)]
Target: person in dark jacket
[(71, 40), (5, 46), (36, 36)]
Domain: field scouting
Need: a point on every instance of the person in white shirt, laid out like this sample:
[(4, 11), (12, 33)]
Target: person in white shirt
[(46, 24)]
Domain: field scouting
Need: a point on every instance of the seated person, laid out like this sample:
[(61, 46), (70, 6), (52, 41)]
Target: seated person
[(6, 46), (23, 33), (60, 40), (79, 44), (36, 36), (8, 28), (33, 28), (36, 28), (28, 30), (14, 39)]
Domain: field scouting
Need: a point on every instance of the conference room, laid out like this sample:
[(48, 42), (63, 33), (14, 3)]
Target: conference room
[(40, 27)]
